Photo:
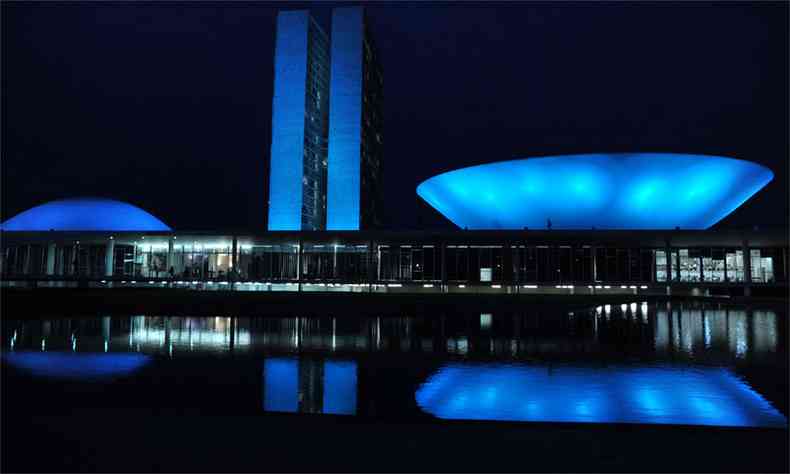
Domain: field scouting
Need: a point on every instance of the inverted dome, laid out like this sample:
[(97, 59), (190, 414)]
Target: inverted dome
[(659, 394), (76, 366), (606, 191), (84, 214)]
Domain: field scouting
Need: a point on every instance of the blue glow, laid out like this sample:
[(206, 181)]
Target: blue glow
[(76, 366), (280, 385), (288, 121), (606, 191), (282, 391), (653, 395), (340, 388), (84, 214), (345, 120)]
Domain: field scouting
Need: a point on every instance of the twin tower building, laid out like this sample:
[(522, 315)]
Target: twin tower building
[(326, 153)]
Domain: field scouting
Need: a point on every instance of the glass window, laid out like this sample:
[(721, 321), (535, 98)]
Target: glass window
[(661, 265), (734, 262), (713, 265)]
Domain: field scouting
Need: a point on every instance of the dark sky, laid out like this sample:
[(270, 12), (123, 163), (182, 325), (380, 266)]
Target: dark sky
[(168, 105)]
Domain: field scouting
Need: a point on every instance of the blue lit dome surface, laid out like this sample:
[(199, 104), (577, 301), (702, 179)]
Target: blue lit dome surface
[(84, 214), (605, 191)]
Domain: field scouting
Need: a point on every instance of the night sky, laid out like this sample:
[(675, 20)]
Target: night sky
[(167, 106)]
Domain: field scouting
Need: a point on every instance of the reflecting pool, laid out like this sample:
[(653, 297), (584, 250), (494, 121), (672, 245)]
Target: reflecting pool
[(639, 362)]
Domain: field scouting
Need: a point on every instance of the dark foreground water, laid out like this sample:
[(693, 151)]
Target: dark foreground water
[(633, 365)]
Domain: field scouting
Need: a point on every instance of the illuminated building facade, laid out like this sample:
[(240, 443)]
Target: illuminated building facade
[(355, 125), (300, 114), (539, 261)]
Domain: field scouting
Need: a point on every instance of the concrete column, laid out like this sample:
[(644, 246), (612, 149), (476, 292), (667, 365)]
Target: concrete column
[(668, 258), (443, 257), (507, 262), (234, 261), (109, 258), (51, 250), (747, 269), (517, 266), (668, 253), (26, 267), (169, 255), (299, 265), (593, 272), (370, 269)]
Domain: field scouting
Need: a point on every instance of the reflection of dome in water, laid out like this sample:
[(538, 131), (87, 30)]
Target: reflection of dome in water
[(84, 214), (662, 394), (606, 191), (75, 365)]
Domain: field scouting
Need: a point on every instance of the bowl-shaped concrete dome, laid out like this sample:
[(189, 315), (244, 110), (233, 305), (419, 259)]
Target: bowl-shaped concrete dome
[(605, 191), (84, 214)]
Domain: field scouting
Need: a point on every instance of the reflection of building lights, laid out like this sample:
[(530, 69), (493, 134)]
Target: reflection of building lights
[(485, 320)]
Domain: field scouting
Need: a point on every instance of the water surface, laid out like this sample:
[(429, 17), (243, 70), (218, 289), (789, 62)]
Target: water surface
[(658, 363)]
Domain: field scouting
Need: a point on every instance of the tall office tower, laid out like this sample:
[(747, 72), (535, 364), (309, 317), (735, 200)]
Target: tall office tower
[(298, 169), (354, 199)]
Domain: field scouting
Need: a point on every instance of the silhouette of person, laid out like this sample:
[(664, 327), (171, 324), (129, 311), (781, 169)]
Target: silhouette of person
[(548, 223)]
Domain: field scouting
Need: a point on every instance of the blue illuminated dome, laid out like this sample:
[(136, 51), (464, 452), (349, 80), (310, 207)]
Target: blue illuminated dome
[(84, 214), (605, 191)]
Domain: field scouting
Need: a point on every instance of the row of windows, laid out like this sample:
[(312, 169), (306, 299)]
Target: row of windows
[(524, 264)]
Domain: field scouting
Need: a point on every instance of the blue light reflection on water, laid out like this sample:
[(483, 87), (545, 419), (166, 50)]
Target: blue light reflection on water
[(76, 365), (284, 387), (340, 387), (281, 385), (652, 395)]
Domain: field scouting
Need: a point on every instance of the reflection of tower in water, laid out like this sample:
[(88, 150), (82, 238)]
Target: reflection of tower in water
[(309, 385)]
